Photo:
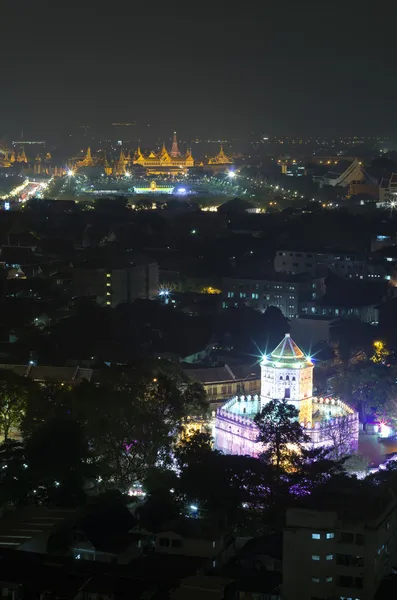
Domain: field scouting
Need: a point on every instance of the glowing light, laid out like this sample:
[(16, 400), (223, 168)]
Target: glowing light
[(232, 174), (70, 173), (384, 430), (164, 292), (181, 190), (127, 174), (193, 508)]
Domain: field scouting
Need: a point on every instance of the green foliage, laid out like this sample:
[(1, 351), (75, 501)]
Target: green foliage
[(369, 387), (13, 401), (131, 420), (196, 448), (280, 431)]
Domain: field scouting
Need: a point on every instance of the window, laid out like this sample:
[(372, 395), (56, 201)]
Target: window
[(108, 303), (229, 389), (315, 579), (328, 579), (330, 536), (230, 294), (316, 536), (176, 543), (108, 274), (346, 537), (287, 393), (108, 284), (164, 542), (315, 557), (329, 557), (360, 539)]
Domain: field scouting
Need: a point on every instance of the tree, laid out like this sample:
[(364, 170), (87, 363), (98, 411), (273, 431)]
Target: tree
[(280, 432), (195, 448), (58, 462), (133, 419), (340, 434), (13, 401)]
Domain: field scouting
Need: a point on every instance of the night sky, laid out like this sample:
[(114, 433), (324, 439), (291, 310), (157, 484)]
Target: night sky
[(277, 68)]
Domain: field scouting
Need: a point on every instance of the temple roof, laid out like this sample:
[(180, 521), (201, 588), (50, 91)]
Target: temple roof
[(288, 350)]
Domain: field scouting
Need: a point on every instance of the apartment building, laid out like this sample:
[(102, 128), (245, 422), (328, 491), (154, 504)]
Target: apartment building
[(285, 291), (341, 554), (343, 264)]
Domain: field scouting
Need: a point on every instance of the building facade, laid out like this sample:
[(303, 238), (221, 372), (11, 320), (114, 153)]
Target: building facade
[(343, 264), (113, 285), (284, 291), (338, 554)]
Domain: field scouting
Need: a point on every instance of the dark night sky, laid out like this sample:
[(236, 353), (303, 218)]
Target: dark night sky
[(285, 67)]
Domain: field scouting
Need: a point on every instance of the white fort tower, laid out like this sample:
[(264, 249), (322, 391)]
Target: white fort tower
[(286, 373)]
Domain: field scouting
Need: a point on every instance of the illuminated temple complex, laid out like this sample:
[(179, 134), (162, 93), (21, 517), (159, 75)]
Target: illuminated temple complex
[(164, 161), (287, 373)]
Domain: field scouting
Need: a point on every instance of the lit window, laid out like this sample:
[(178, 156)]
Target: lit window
[(108, 284), (316, 536), (328, 579), (108, 274), (315, 580), (108, 294), (108, 303), (329, 557), (330, 536), (315, 557)]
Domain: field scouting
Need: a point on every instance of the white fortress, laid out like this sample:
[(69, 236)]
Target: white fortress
[(287, 373)]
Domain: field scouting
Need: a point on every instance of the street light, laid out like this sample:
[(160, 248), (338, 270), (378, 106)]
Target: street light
[(232, 174)]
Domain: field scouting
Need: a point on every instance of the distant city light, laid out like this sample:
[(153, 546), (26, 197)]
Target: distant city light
[(193, 508), (181, 190), (128, 174), (193, 231), (70, 173), (232, 174)]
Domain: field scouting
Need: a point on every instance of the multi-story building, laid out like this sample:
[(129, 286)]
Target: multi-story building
[(341, 548), (343, 264), (112, 284), (285, 291)]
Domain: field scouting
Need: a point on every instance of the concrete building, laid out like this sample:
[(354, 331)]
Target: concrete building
[(112, 284), (365, 311), (341, 548), (343, 264), (285, 291)]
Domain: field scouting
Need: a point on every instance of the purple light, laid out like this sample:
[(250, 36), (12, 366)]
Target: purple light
[(129, 446)]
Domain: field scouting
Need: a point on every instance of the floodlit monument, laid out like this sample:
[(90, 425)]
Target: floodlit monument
[(287, 373)]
